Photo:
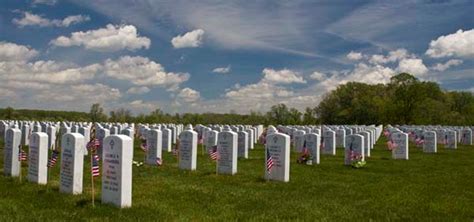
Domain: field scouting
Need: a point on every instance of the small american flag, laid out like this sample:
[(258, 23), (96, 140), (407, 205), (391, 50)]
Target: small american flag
[(419, 141), (159, 161), (144, 147), (95, 166), (305, 149), (54, 158), (213, 154), (93, 144), (22, 154), (391, 145), (175, 149), (269, 162)]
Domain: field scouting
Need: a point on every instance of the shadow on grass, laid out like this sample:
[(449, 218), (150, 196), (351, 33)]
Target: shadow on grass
[(83, 203)]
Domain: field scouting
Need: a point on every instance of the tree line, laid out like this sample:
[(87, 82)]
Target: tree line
[(404, 100)]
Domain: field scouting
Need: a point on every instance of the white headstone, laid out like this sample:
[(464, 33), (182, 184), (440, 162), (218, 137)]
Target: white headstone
[(25, 135), (401, 146), (451, 140), (278, 149), (298, 137), (12, 143), (366, 136), (466, 138), (188, 150), (429, 142), (101, 134), (154, 145), (166, 140), (86, 132), (211, 139), (227, 150), (340, 138), (243, 144), (130, 133), (117, 171), (329, 142), (38, 158), (354, 149), (37, 128), (63, 130), (251, 138), (173, 134), (313, 145), (72, 163), (51, 131), (114, 130)]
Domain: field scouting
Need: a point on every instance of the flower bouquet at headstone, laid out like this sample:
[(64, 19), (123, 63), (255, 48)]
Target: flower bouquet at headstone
[(305, 157), (357, 161)]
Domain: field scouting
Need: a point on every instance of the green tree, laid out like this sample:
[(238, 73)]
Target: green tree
[(279, 114), (310, 116), (121, 115), (97, 113)]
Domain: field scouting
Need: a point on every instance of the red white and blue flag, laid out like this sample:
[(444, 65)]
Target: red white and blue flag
[(144, 147), (213, 154), (95, 170), (269, 161), (175, 150), (54, 158), (391, 145), (419, 141), (22, 156), (305, 149), (93, 144)]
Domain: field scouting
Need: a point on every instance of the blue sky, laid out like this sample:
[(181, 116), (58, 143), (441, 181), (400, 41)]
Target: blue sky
[(221, 56)]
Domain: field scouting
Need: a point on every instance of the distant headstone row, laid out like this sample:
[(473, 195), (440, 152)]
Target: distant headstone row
[(225, 144)]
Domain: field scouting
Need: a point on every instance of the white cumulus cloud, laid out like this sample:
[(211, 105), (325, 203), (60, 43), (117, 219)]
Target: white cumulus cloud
[(393, 56), (45, 2), (459, 44), (412, 66), (284, 76), (30, 19), (189, 40), (189, 95), (46, 72), (142, 71), (142, 106), (13, 52), (354, 55), (138, 90), (317, 76), (368, 73), (446, 65), (108, 39), (222, 70)]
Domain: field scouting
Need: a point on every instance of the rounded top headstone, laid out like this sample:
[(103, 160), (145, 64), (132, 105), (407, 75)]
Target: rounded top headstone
[(189, 127)]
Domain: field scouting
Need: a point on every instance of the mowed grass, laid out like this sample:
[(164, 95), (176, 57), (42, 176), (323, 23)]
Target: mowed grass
[(426, 187)]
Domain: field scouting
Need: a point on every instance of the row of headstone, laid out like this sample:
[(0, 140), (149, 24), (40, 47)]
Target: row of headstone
[(231, 141), (427, 137), (116, 167)]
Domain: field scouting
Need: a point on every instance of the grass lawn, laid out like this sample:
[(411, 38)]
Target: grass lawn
[(426, 187)]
